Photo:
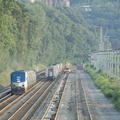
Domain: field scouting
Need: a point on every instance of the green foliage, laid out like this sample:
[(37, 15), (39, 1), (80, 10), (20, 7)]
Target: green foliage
[(103, 14), (33, 34), (117, 104), (109, 86), (93, 1)]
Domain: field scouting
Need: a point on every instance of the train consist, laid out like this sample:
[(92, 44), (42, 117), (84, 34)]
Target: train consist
[(53, 71), (80, 67), (21, 81)]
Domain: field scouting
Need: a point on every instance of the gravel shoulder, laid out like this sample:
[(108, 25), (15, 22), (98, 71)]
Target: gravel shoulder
[(101, 108)]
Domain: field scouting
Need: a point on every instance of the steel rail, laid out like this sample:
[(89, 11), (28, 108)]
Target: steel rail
[(40, 98), (4, 98), (58, 110), (15, 101), (5, 89), (18, 111), (90, 116), (78, 105)]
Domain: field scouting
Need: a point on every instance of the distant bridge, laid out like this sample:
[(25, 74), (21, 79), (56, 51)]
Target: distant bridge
[(107, 61)]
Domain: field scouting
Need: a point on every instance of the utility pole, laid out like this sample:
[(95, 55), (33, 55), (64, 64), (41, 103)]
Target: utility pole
[(99, 32), (101, 44)]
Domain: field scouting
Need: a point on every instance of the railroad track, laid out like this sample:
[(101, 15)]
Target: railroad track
[(60, 104), (53, 108), (23, 112), (39, 113), (40, 75), (8, 103), (24, 108), (74, 102), (15, 99), (5, 89), (39, 103), (81, 101), (5, 96), (6, 93)]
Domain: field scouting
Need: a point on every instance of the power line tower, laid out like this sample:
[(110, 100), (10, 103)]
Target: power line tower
[(100, 30)]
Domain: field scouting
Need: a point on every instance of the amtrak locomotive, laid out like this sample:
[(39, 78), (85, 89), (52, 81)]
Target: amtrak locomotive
[(21, 81)]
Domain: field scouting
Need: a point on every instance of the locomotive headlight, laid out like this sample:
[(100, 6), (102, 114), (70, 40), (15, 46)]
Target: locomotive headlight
[(18, 80)]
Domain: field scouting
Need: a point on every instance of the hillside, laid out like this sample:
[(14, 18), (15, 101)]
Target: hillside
[(36, 34), (103, 14)]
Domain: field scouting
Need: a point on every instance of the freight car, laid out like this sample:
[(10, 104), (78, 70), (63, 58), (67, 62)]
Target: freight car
[(53, 71), (21, 81), (50, 73), (80, 67)]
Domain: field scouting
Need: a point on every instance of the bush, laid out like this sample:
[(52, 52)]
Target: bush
[(109, 86), (117, 104)]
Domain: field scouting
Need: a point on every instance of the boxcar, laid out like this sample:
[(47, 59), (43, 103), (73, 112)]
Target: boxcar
[(80, 67), (53, 71)]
